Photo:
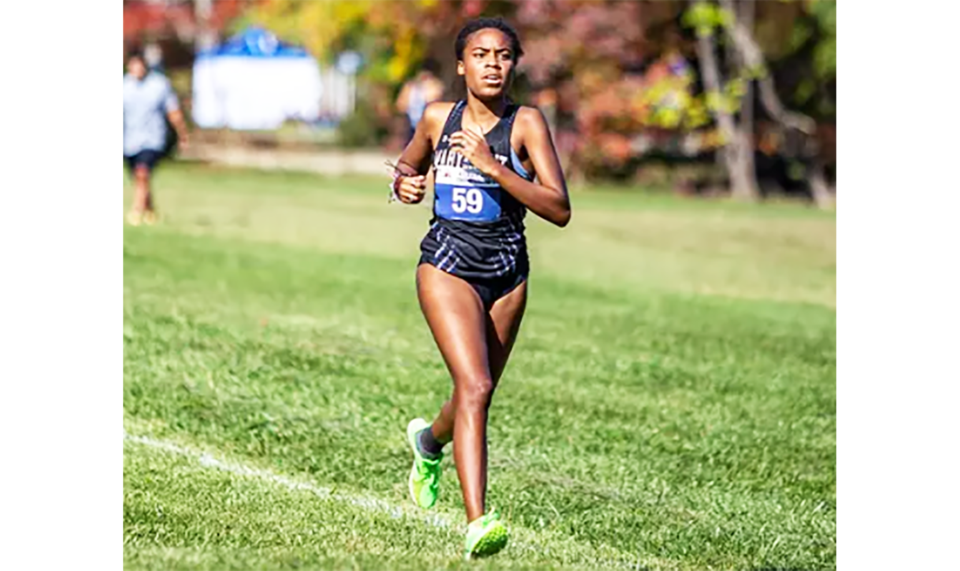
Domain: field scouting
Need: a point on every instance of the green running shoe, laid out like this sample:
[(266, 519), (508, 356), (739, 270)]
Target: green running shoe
[(485, 536), (425, 474)]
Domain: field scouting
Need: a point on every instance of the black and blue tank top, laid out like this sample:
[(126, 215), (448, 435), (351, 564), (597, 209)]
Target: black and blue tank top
[(477, 229)]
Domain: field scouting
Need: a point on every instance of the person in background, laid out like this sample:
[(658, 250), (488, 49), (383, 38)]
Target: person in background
[(149, 102), (422, 90), (153, 57)]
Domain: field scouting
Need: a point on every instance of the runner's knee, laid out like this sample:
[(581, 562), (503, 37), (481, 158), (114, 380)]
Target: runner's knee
[(474, 393)]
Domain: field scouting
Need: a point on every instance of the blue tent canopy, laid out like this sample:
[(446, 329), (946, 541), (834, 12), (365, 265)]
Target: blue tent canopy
[(255, 42)]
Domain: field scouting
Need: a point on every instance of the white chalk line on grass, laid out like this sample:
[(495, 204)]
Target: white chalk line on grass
[(368, 503)]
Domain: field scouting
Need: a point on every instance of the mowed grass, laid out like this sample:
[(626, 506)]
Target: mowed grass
[(670, 403)]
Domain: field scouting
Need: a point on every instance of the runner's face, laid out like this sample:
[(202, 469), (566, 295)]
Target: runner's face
[(487, 64)]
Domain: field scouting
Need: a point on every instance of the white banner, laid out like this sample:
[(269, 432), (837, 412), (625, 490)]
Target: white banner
[(255, 93)]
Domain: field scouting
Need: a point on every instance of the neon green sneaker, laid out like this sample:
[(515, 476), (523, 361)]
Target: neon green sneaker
[(425, 474), (485, 536)]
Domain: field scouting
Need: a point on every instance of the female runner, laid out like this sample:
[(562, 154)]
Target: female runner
[(492, 160)]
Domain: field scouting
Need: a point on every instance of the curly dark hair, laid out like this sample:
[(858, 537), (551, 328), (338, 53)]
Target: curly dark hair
[(488, 23)]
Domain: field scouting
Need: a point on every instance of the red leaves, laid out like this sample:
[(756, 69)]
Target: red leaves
[(142, 18)]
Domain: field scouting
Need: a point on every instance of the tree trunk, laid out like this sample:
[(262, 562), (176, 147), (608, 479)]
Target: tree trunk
[(752, 57), (823, 195), (741, 33), (737, 151), (746, 16)]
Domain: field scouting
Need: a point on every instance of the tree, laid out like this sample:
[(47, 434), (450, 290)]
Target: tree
[(737, 150), (616, 72), (737, 154), (388, 33)]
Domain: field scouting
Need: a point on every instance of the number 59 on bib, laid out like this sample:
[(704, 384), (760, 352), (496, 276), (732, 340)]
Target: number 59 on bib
[(470, 203)]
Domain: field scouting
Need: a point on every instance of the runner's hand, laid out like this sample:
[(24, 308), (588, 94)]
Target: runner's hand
[(475, 148), (411, 189)]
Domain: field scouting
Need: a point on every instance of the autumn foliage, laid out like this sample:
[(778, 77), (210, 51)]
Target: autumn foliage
[(616, 76)]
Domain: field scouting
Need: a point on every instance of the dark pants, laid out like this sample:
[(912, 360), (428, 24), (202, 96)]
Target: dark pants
[(146, 158)]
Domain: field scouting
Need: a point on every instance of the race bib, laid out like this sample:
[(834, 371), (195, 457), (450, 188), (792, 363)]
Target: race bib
[(466, 194)]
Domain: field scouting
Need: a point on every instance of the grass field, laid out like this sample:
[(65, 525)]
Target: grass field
[(670, 404)]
